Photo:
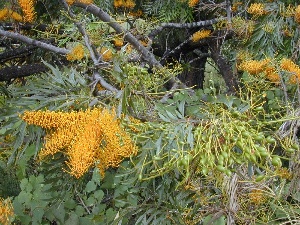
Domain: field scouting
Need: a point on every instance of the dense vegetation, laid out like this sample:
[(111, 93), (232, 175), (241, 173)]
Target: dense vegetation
[(149, 112)]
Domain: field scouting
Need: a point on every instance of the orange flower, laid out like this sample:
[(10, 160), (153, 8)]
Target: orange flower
[(272, 75), (201, 34), (4, 14), (28, 10), (118, 3), (256, 9), (128, 4), (106, 54), (254, 66), (16, 16), (6, 211), (88, 138), (118, 42), (86, 1), (297, 14), (257, 196), (294, 69), (124, 3), (77, 53), (193, 3)]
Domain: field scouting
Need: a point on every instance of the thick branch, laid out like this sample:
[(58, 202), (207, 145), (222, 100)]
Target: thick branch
[(184, 25), (16, 53), (12, 72), (27, 40), (224, 67)]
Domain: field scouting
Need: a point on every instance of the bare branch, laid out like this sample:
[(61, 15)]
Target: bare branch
[(103, 83), (30, 41)]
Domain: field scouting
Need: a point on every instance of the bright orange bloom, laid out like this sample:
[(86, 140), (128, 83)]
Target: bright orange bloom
[(6, 211), (201, 34), (4, 14), (254, 66), (106, 54), (28, 10), (193, 3), (256, 9), (297, 14), (272, 74), (294, 69), (77, 53), (88, 138)]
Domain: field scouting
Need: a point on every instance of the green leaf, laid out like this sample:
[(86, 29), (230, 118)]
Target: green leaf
[(37, 215), (210, 220), (24, 197), (99, 194), (70, 203), (96, 176), (30, 150), (91, 186), (79, 210), (164, 118), (90, 201), (59, 212), (73, 219), (110, 214)]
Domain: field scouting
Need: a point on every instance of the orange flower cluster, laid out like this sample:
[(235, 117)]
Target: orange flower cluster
[(254, 66), (106, 53), (193, 3), (76, 53), (201, 34), (6, 14), (256, 9), (138, 13), (297, 14), (86, 137), (6, 211), (284, 173), (294, 69), (71, 2), (28, 10), (124, 3), (272, 75), (235, 6), (257, 196), (118, 42)]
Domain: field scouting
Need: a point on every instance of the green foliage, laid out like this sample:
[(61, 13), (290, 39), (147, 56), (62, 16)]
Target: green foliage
[(169, 11)]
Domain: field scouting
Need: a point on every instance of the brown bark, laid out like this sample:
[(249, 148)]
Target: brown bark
[(12, 72), (223, 65)]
